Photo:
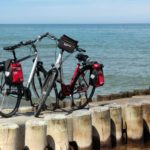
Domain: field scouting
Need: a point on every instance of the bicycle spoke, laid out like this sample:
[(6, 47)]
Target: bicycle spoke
[(9, 100), (83, 88)]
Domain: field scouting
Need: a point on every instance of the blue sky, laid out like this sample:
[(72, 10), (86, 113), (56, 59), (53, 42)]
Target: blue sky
[(74, 11)]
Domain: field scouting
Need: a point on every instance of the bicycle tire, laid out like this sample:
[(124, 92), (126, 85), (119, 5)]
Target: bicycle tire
[(49, 82), (37, 84), (86, 70), (16, 98)]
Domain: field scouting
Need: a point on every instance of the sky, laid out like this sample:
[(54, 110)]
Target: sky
[(74, 11)]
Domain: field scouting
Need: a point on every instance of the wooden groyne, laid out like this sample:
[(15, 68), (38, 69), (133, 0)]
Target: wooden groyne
[(127, 94), (101, 125)]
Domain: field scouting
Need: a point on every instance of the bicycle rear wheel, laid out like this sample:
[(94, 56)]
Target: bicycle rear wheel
[(10, 97), (82, 90), (46, 92)]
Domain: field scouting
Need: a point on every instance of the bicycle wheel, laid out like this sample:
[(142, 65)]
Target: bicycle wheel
[(37, 84), (10, 97), (48, 88), (82, 90)]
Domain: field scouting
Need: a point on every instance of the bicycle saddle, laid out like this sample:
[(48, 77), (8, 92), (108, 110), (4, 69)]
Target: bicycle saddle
[(82, 57)]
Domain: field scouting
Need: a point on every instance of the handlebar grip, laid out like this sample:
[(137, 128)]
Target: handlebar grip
[(81, 50), (12, 47)]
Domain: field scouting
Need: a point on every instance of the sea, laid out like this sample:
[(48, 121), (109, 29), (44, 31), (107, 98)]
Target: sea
[(123, 49)]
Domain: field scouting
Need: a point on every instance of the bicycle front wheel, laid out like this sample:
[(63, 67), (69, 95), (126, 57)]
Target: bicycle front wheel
[(48, 88), (82, 90), (10, 97), (37, 84)]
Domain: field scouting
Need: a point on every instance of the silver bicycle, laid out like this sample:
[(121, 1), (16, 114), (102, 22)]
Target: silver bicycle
[(12, 86)]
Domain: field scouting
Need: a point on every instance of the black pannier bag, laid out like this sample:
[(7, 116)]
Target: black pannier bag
[(13, 73), (68, 44)]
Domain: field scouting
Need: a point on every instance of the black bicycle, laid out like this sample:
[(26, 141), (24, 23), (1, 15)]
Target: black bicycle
[(87, 76)]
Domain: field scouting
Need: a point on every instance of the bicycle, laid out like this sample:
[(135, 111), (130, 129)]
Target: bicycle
[(87, 76), (12, 88)]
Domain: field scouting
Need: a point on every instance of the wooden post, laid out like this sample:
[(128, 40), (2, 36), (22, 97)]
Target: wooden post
[(35, 134), (82, 129), (146, 119), (9, 136), (81, 101), (134, 148), (67, 103), (69, 127), (101, 127), (25, 109), (57, 132), (103, 97), (21, 136), (116, 124), (61, 104), (134, 123), (124, 128)]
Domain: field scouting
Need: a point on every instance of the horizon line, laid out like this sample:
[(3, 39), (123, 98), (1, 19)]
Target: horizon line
[(70, 23)]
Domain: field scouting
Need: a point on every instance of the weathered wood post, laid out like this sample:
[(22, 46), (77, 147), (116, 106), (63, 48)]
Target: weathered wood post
[(134, 148), (103, 97), (134, 123), (146, 119), (124, 128), (70, 127), (67, 103), (21, 136), (101, 127), (35, 134), (25, 109), (9, 136), (82, 129), (116, 124), (57, 133)]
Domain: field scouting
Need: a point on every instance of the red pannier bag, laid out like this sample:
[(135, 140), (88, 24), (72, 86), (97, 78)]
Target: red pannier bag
[(97, 76), (14, 74)]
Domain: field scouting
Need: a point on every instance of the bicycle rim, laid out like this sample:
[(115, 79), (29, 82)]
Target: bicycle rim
[(47, 97), (10, 97), (82, 90)]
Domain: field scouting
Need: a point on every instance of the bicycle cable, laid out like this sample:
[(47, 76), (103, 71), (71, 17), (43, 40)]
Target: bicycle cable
[(66, 57), (55, 51)]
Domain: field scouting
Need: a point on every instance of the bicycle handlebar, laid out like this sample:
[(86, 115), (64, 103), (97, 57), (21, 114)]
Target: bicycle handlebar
[(12, 47), (42, 36), (30, 42)]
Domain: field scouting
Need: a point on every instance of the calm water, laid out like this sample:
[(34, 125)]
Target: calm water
[(123, 49)]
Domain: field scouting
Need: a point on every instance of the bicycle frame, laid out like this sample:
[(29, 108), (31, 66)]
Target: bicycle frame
[(36, 59), (26, 87), (65, 88)]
